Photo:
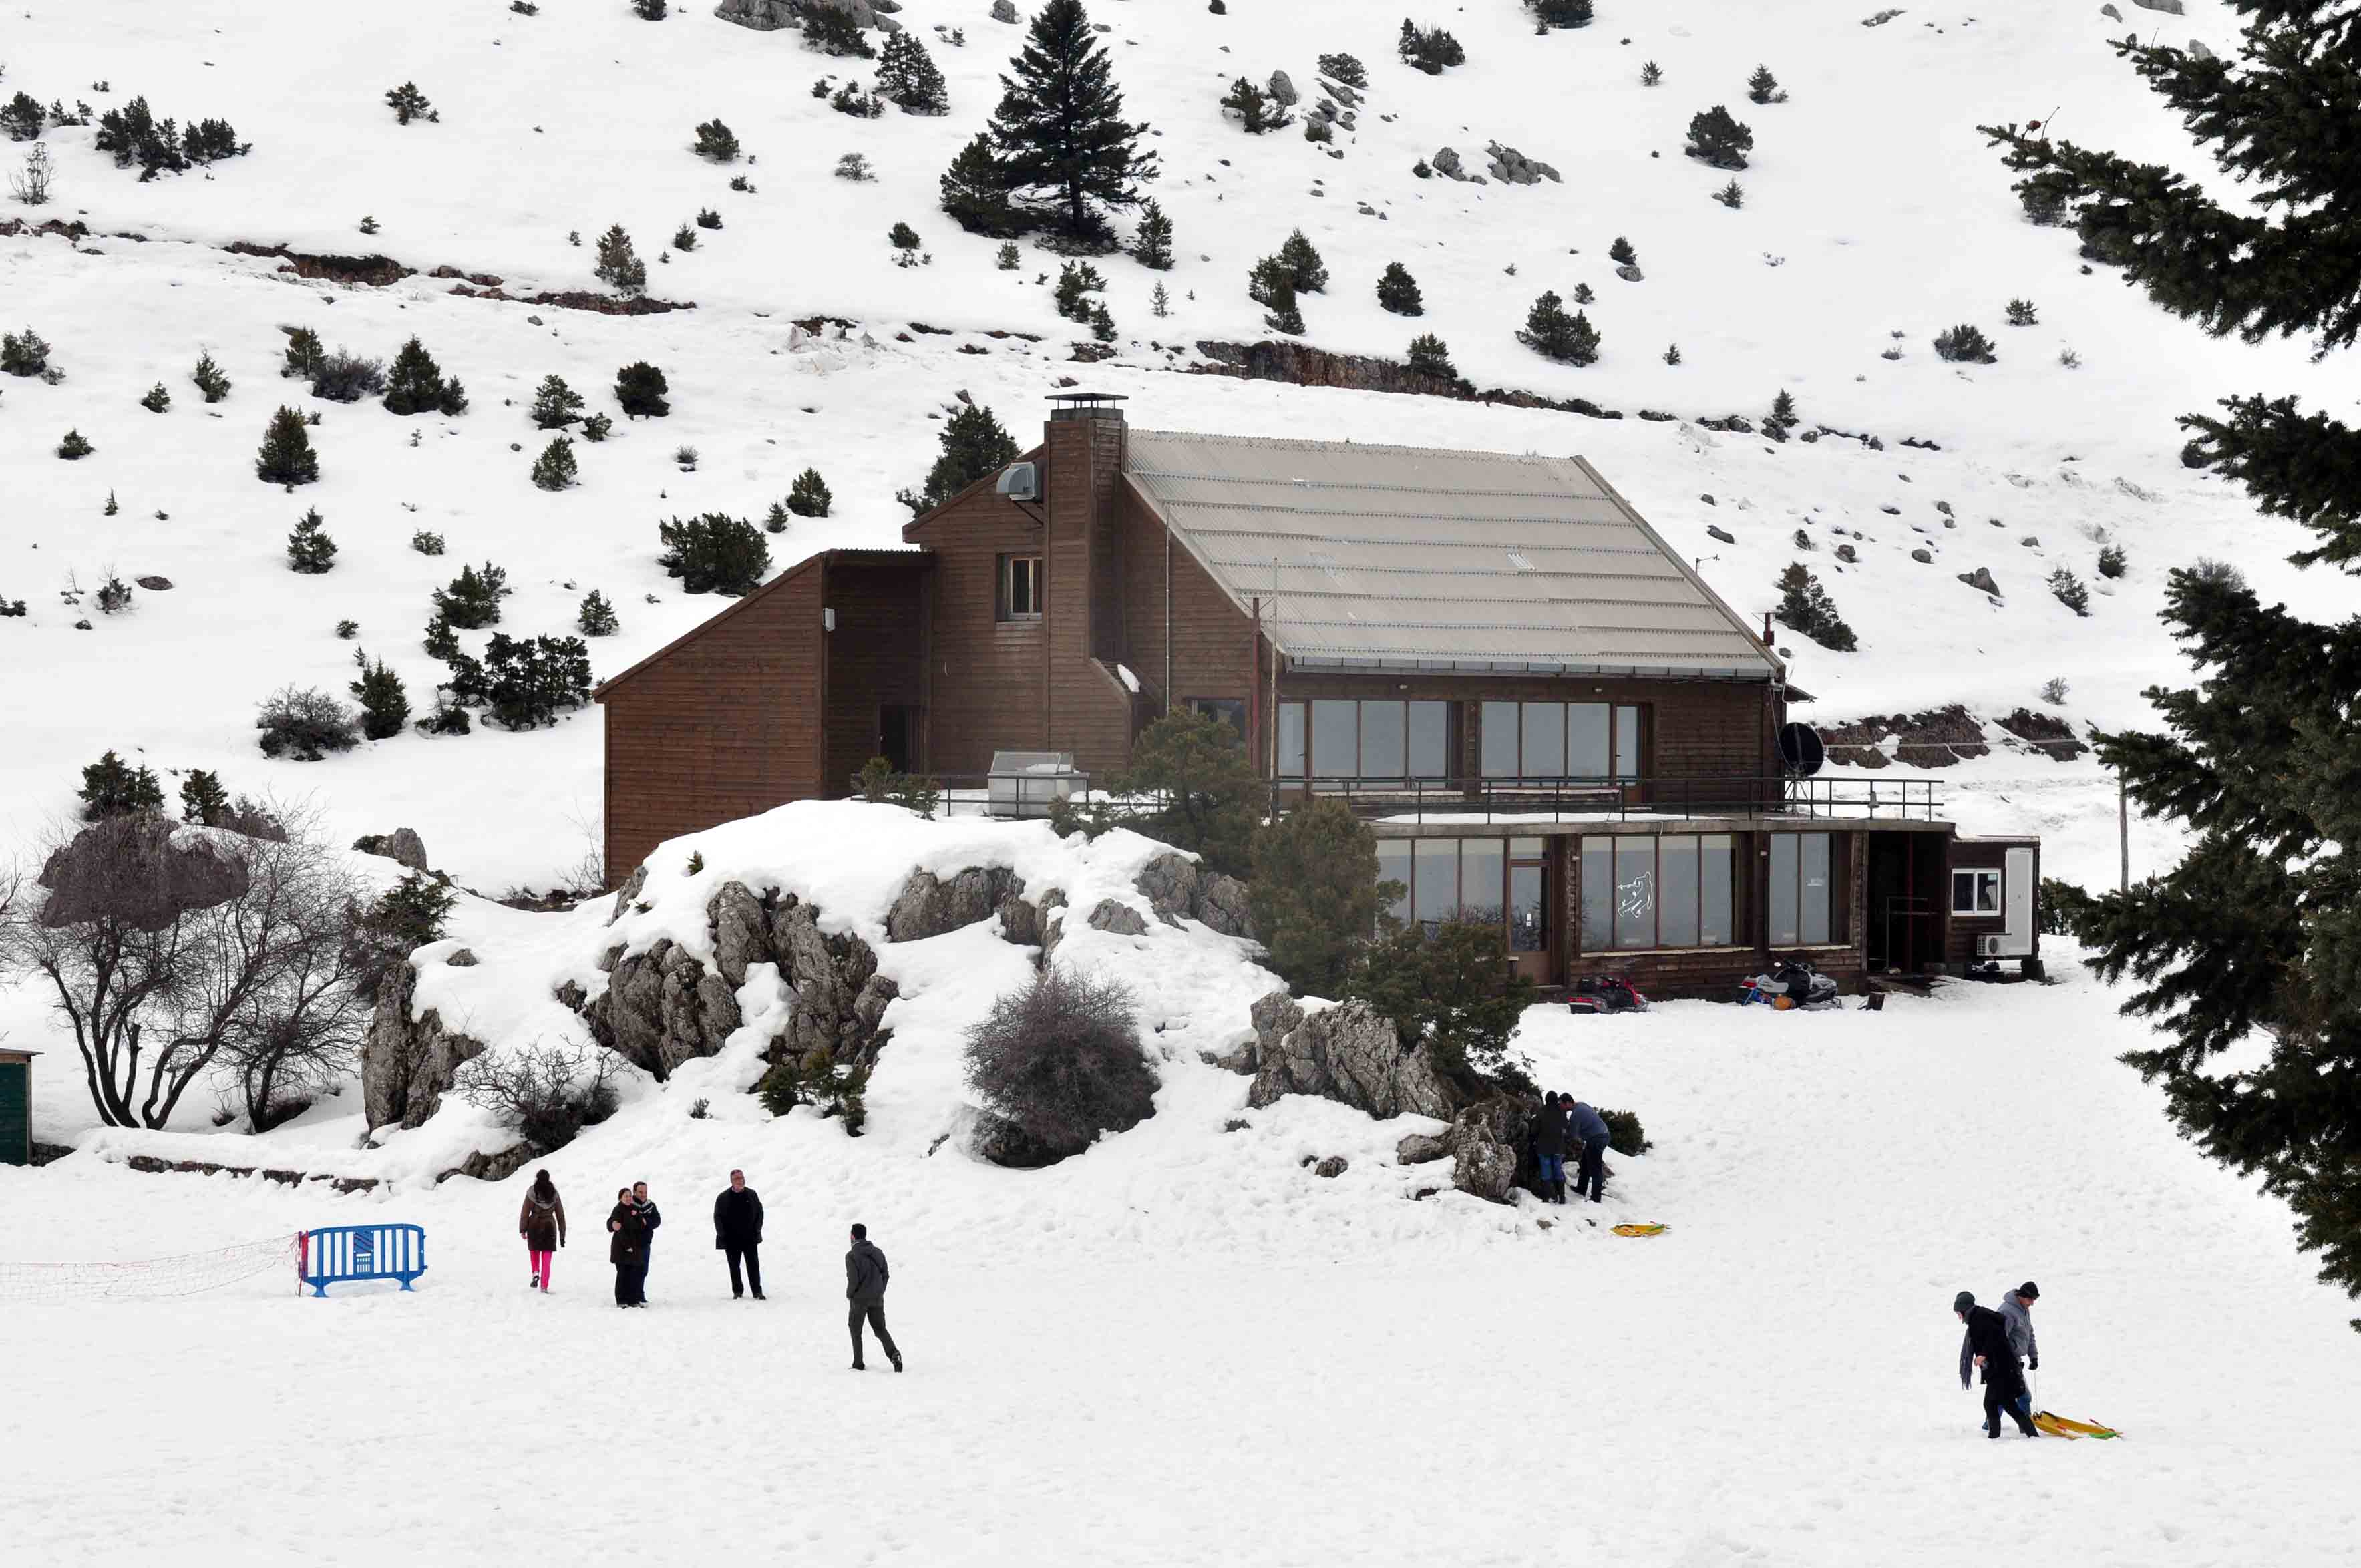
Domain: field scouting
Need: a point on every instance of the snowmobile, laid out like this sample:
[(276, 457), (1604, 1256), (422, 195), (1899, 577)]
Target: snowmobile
[(1605, 994), (1793, 982)]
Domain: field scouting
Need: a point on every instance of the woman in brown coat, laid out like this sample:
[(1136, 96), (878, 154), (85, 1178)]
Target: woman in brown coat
[(542, 1224)]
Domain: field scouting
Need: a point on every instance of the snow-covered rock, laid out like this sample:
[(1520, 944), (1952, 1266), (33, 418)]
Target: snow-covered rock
[(1348, 1053)]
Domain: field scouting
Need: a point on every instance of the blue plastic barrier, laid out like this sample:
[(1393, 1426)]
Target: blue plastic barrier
[(338, 1253)]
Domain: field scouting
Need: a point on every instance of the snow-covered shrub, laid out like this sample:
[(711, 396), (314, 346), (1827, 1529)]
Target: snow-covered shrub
[(598, 427), (33, 181), (1965, 344), (649, 10), (1397, 291), (1805, 608), (1560, 13), (818, 1078), (641, 388), (1343, 68), (426, 543), (687, 458), (706, 218), (408, 103), (855, 99), (528, 682), (473, 600), (902, 237), (1058, 1059), (309, 549), (303, 723), (1624, 1133), (1256, 110), (1718, 138), (344, 376), (1428, 48), (2111, 561), (1652, 74), (1672, 354), (22, 117), (714, 141), (347, 629), (113, 596), (112, 787), (545, 1093), (2053, 691), (714, 553), (2020, 313), (555, 405), (385, 706), (1621, 253)]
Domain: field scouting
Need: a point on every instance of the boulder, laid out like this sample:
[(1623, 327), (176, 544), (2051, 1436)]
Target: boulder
[(1630, 274), (996, 1140), (629, 894), (1447, 163), (769, 16), (1718, 531), (1331, 1168), (1350, 1054), (497, 1166), (1421, 1148), (1019, 922), (1223, 905), (1282, 87), (404, 848), (1486, 1142), (1924, 557), (144, 869), (929, 907), (407, 1064), (1118, 917), (1981, 579), (1170, 881), (1053, 931), (1179, 888), (1003, 11), (2197, 50), (464, 959), (155, 585), (1513, 167), (1847, 553), (2111, 12), (2170, 7)]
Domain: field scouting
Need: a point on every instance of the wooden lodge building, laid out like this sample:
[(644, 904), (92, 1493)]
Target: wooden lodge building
[(1547, 717)]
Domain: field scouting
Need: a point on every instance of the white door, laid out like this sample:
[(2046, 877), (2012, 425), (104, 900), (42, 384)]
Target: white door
[(2016, 898)]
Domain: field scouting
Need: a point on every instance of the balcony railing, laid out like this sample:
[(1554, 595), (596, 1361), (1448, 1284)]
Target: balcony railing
[(1486, 800)]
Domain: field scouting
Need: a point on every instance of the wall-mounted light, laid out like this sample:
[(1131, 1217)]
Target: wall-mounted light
[(828, 620)]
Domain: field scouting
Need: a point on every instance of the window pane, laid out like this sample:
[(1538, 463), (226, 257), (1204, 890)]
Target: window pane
[(1500, 761), (1783, 931), (1988, 894), (1381, 739), (1528, 924), (1430, 740), (1393, 865), (1528, 849), (1335, 750), (1597, 894), (1963, 891), (1437, 893), (1544, 741), (1230, 710), (1817, 889), (1627, 743), (1586, 740), (1713, 899), (1635, 892), (1678, 856), (1480, 863), (1291, 739)]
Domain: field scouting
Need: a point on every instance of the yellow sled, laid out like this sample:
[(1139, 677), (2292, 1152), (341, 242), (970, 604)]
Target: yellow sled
[(1658, 1231), (2059, 1426)]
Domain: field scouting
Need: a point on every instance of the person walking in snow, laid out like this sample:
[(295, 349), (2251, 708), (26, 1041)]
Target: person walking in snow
[(1986, 1345), (542, 1223), (1549, 1148), (737, 1234), (649, 1221), (1591, 1128), (628, 1250), (864, 1291), (2017, 1310)]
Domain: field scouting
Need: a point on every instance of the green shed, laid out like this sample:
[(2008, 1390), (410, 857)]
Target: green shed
[(16, 1106)]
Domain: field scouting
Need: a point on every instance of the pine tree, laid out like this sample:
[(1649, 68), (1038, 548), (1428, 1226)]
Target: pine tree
[(1672, 354), (1255, 108), (1397, 291), (596, 618), (1430, 355), (554, 469), (1652, 74), (1965, 344), (1303, 263), (473, 600), (2069, 590), (1717, 137), (1732, 195), (1804, 607), (204, 801), (110, 508), (714, 553), (2111, 561), (1621, 254), (1582, 294), (286, 457), (385, 706), (2020, 313), (75, 447), (309, 551), (716, 141), (1102, 322), (641, 388), (776, 520), (1763, 88), (1561, 13), (305, 353), (408, 103), (1782, 409), (209, 378), (975, 444), (808, 496), (1285, 315), (619, 265), (902, 237), (1548, 330), (416, 384), (1160, 300), (1063, 145), (112, 787), (556, 405), (975, 191), (1152, 245), (1076, 281), (907, 77), (442, 639), (833, 31)]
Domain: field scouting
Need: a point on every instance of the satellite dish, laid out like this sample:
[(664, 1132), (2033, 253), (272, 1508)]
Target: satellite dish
[(1800, 749)]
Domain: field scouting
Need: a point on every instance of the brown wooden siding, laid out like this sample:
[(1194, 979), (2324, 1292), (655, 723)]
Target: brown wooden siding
[(726, 725), (874, 658), (1210, 649), (1960, 931), (986, 677)]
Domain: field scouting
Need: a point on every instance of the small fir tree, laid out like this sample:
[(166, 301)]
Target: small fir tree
[(417, 385), (1151, 245), (204, 801), (1621, 254), (1782, 409), (976, 194), (619, 265), (902, 237), (1652, 74), (714, 554), (556, 405), (1717, 137), (1315, 895), (2111, 561), (1965, 344), (1549, 331), (1006, 257), (1077, 281), (1763, 88), (1065, 152), (1160, 300), (1286, 315), (598, 427), (716, 142), (112, 787), (1255, 108), (1303, 264), (1430, 355), (110, 508), (554, 469), (286, 457), (640, 388), (907, 77), (2069, 590), (2022, 313), (472, 602), (408, 103), (1397, 291), (385, 706), (776, 520), (1805, 609), (74, 447), (1732, 195), (442, 640), (1548, 13), (305, 353), (1102, 322), (832, 31), (596, 618), (808, 496), (650, 10), (157, 400), (210, 379), (973, 444), (1429, 49), (1672, 354), (309, 549), (683, 237)]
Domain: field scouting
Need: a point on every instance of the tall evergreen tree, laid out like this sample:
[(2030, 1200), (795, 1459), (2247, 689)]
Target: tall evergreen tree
[(286, 457), (975, 444), (1805, 607), (1548, 330), (1303, 262), (417, 384), (619, 265), (204, 801), (1152, 245), (556, 405), (906, 76), (2258, 931), (309, 549), (385, 706), (1397, 291), (1064, 146)]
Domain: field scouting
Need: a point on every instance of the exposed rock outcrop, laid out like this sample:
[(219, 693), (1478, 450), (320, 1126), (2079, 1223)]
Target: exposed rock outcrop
[(1282, 87), (928, 906), (1981, 579), (1333, 1166), (2046, 732), (1118, 917), (1935, 738), (769, 16), (407, 1064), (1350, 1054), (144, 869), (1178, 887), (1513, 167), (1486, 1142)]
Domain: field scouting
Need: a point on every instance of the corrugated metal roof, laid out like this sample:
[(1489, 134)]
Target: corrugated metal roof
[(1403, 557)]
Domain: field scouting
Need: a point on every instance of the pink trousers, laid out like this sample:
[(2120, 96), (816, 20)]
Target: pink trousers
[(541, 1262)]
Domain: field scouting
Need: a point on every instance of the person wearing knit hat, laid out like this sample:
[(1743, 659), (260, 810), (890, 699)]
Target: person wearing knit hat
[(1986, 1345), (2015, 1308)]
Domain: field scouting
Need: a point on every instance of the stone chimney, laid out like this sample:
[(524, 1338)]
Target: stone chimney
[(1084, 444)]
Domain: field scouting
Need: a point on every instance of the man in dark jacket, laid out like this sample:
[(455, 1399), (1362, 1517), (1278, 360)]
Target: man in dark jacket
[(649, 1221), (1986, 1345), (1591, 1128), (1549, 1148), (864, 1289), (737, 1234)]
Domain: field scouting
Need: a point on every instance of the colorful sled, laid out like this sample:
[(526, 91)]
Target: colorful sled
[(1658, 1231), (2059, 1426)]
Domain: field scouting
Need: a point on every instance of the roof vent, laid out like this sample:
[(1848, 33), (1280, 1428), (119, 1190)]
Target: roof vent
[(1020, 482)]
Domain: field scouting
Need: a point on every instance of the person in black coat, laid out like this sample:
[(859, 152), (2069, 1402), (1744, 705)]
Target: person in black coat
[(737, 1234), (648, 1220), (1987, 1346), (628, 1251), (864, 1291), (1549, 1148)]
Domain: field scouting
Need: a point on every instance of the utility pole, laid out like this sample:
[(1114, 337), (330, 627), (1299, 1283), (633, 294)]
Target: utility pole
[(2123, 833)]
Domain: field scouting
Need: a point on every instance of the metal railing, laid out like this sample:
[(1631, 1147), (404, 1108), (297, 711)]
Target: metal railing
[(1489, 800)]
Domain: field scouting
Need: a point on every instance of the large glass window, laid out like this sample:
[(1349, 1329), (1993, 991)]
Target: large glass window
[(1503, 882), (1642, 891), (1434, 894), (1394, 865), (1335, 741), (1430, 740), (1291, 740), (1560, 740), (1803, 890), (1381, 741), (1480, 870)]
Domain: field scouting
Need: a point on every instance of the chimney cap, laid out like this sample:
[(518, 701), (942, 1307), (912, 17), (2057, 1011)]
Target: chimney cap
[(1088, 399)]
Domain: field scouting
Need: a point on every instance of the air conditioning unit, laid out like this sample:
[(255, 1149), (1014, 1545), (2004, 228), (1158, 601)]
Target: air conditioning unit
[(1989, 947)]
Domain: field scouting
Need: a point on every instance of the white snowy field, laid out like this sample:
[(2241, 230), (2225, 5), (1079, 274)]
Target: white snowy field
[(1183, 1348)]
